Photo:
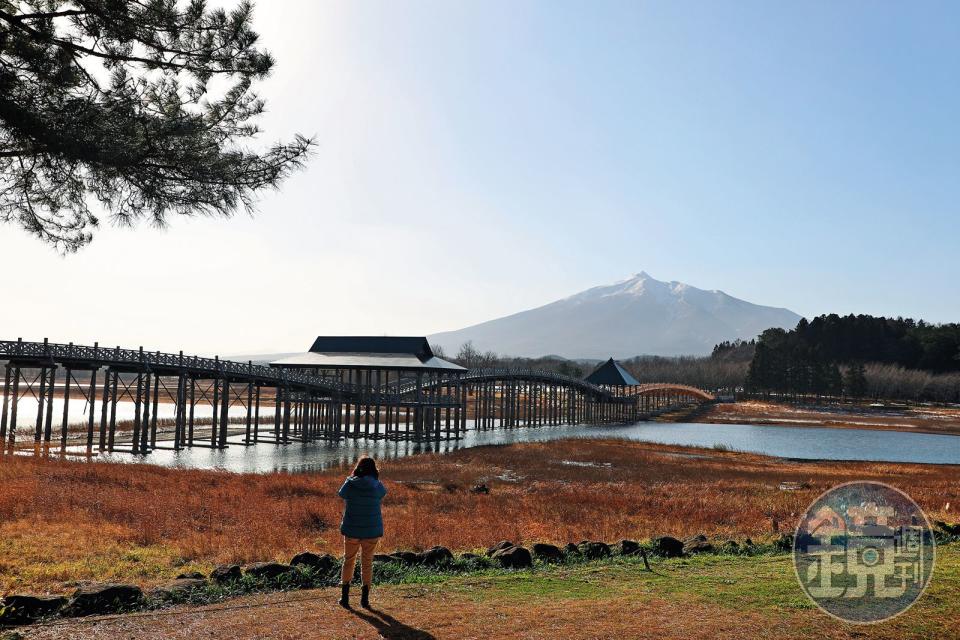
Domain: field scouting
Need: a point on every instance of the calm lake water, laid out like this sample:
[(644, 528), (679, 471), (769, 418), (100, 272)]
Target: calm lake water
[(787, 442)]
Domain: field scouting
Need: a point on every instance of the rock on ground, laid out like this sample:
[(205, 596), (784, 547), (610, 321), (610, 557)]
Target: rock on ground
[(667, 547), (503, 544), (594, 550), (267, 570), (225, 573), (24, 609), (319, 564), (98, 599), (547, 552), (513, 558)]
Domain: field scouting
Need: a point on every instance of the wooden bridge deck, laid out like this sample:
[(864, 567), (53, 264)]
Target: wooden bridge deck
[(247, 403)]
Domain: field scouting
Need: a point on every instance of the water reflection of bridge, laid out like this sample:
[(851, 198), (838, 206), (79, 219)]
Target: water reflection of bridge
[(392, 388)]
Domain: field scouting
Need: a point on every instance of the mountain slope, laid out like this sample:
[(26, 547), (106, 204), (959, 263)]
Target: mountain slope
[(639, 315)]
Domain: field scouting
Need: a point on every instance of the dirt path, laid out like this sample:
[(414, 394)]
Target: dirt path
[(421, 614), (709, 598)]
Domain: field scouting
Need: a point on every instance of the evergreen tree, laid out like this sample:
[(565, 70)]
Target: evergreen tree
[(834, 380), (114, 101), (855, 381)]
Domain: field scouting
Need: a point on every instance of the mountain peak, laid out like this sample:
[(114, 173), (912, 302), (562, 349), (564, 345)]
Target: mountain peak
[(636, 316)]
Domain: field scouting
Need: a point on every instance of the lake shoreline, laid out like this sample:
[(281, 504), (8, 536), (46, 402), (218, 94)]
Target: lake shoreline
[(927, 420)]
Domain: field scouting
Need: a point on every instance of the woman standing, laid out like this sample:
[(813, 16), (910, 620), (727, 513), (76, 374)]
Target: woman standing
[(362, 526)]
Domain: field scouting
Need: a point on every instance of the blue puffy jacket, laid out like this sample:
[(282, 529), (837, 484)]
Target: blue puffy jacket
[(361, 515)]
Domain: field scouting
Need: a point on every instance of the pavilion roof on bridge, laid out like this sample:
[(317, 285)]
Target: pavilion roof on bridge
[(369, 352), (611, 374)]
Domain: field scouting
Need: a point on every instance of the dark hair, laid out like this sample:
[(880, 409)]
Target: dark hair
[(366, 467)]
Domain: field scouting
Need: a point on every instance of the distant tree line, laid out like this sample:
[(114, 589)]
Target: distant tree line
[(849, 357), (856, 357), (724, 370), (472, 358)]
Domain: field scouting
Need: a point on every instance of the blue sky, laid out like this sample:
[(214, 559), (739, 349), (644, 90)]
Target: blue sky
[(478, 158)]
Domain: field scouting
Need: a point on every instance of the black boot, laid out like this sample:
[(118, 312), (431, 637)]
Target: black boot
[(365, 597), (344, 595)]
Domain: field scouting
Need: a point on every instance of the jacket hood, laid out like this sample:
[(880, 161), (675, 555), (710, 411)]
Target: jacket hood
[(363, 482)]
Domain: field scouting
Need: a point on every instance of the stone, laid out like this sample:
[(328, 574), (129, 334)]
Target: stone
[(435, 557), (195, 575), (406, 557), (267, 570), (513, 558), (547, 552), (318, 564), (24, 609), (667, 547), (627, 547), (695, 545), (97, 599), (594, 550), (503, 544), (179, 588), (226, 573)]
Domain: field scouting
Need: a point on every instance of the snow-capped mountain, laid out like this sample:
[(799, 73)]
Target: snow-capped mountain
[(638, 316)]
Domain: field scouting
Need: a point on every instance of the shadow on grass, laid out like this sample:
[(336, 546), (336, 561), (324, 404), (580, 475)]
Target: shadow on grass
[(389, 627)]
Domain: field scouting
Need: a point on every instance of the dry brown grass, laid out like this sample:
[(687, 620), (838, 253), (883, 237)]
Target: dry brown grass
[(919, 419), (63, 520)]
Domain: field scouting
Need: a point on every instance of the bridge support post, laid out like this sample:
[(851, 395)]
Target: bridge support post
[(224, 415), (193, 406), (137, 409), (179, 412), (104, 405), (215, 412), (48, 425), (92, 398), (286, 415), (66, 409), (156, 406), (38, 431), (249, 420), (16, 403), (256, 416), (147, 413), (6, 403), (111, 437)]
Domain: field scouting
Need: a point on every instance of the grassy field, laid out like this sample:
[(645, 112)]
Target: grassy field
[(63, 521), (700, 597)]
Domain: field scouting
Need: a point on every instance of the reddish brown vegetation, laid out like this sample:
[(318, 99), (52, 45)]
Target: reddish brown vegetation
[(65, 520)]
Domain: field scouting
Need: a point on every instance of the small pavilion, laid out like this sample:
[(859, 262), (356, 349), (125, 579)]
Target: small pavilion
[(610, 375)]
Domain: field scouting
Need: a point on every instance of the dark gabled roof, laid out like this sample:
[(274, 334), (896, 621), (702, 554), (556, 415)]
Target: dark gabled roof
[(368, 352), (611, 374), (418, 347)]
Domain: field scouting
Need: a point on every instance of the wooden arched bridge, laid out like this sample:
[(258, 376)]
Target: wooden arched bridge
[(114, 399)]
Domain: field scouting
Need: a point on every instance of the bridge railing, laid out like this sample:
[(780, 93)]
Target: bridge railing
[(146, 360), (106, 356)]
